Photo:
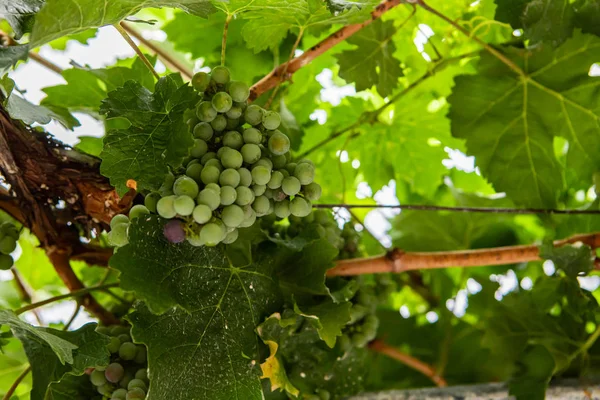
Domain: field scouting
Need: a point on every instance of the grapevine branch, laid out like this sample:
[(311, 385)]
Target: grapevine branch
[(76, 293), (493, 210), (379, 346), (398, 261), (163, 55), (277, 75)]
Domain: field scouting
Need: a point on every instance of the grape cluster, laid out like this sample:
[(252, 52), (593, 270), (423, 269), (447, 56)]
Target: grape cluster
[(239, 168), (119, 225), (126, 377), (9, 234)]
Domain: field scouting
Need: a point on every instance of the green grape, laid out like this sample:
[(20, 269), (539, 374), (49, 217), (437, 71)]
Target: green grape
[(9, 229), (124, 337), (269, 193), (126, 379), (219, 123), (279, 143), (299, 207), (359, 339), (119, 330), (271, 120), (206, 112), (208, 156), (137, 383), (192, 121), (265, 162), (142, 374), (6, 262), (228, 195), (324, 394), (305, 173), (232, 216), (211, 234), (249, 217), (118, 235), (253, 114), (244, 196), (214, 187), (210, 174), (127, 351), (185, 186), (232, 123), (222, 102), (284, 172), (323, 217), (251, 153), (261, 205), (290, 168), (279, 161), (167, 186), (312, 191), (311, 397), (114, 345), (220, 75), (135, 394), (166, 207), (184, 205), (209, 198), (276, 180), (119, 394), (239, 91), (200, 148), (150, 201), (252, 136), (231, 158), (235, 112), (119, 219), (137, 211), (231, 236), (194, 171), (114, 372), (345, 343), (261, 175), (291, 186), (259, 190), (229, 177), (97, 378), (233, 139), (203, 131), (200, 81), (282, 208), (245, 176), (220, 152), (105, 389), (215, 163), (8, 244), (202, 214)]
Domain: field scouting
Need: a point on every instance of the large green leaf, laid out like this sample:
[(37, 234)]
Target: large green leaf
[(573, 260), (510, 121), (206, 346), (157, 137), (329, 318), (64, 17), (372, 62), (19, 14)]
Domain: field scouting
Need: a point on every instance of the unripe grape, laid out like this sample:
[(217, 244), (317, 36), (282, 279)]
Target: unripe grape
[(119, 394), (232, 123), (271, 120), (136, 394), (232, 216), (214, 187), (203, 131), (231, 158), (124, 337), (166, 188), (119, 219), (142, 374), (251, 153), (265, 162), (229, 177), (206, 112), (220, 75), (279, 143), (209, 198), (185, 186), (312, 191), (7, 245), (97, 378), (282, 208), (136, 211), (117, 236), (211, 234), (228, 195), (253, 114), (299, 207), (210, 174), (259, 190), (222, 102), (200, 148), (235, 112), (127, 351), (261, 205), (208, 156), (245, 177), (239, 91), (184, 205), (200, 81), (279, 161), (114, 372), (219, 123), (244, 196), (114, 345), (126, 379), (150, 201), (252, 136), (233, 139), (231, 236), (202, 214), (305, 173), (192, 121), (290, 168), (137, 383), (291, 186), (276, 180), (249, 217), (215, 163), (194, 171), (166, 207), (269, 193), (284, 172), (261, 175), (105, 389)]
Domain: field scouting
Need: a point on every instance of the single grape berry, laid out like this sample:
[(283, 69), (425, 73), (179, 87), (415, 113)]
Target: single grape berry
[(114, 372), (261, 175), (282, 208), (252, 136), (206, 112), (229, 177), (261, 205), (220, 75), (312, 191), (166, 207), (228, 195), (253, 114), (142, 374), (114, 345), (184, 205), (119, 219), (137, 383), (251, 153), (127, 351), (233, 139), (210, 174), (245, 176), (290, 186), (194, 171), (279, 143), (150, 201), (203, 131), (185, 186), (211, 234), (239, 91), (276, 180), (202, 214), (232, 216), (6, 262), (200, 81), (208, 156), (199, 149), (231, 158), (299, 207), (138, 211), (97, 378), (222, 102), (244, 197), (219, 123), (118, 235), (231, 237), (271, 120), (135, 394), (235, 112), (119, 394), (259, 190), (8, 244), (210, 198), (305, 173)]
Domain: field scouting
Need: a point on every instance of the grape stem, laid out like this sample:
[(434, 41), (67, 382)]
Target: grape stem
[(75, 293), (381, 347), (224, 40), (171, 61), (137, 50), (274, 77), (398, 261), (292, 52)]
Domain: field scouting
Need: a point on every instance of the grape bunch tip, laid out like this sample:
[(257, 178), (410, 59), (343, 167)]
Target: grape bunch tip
[(239, 169)]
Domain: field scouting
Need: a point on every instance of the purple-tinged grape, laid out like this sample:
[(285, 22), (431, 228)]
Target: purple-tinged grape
[(137, 383), (114, 372), (136, 394), (173, 231)]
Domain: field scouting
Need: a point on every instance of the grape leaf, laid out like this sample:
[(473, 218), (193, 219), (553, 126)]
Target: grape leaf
[(71, 387), (21, 109), (573, 260), (535, 368), (372, 62), (19, 14), (587, 15), (218, 307), (509, 122), (9, 56), (81, 37), (84, 14), (157, 137), (329, 318), (90, 145)]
